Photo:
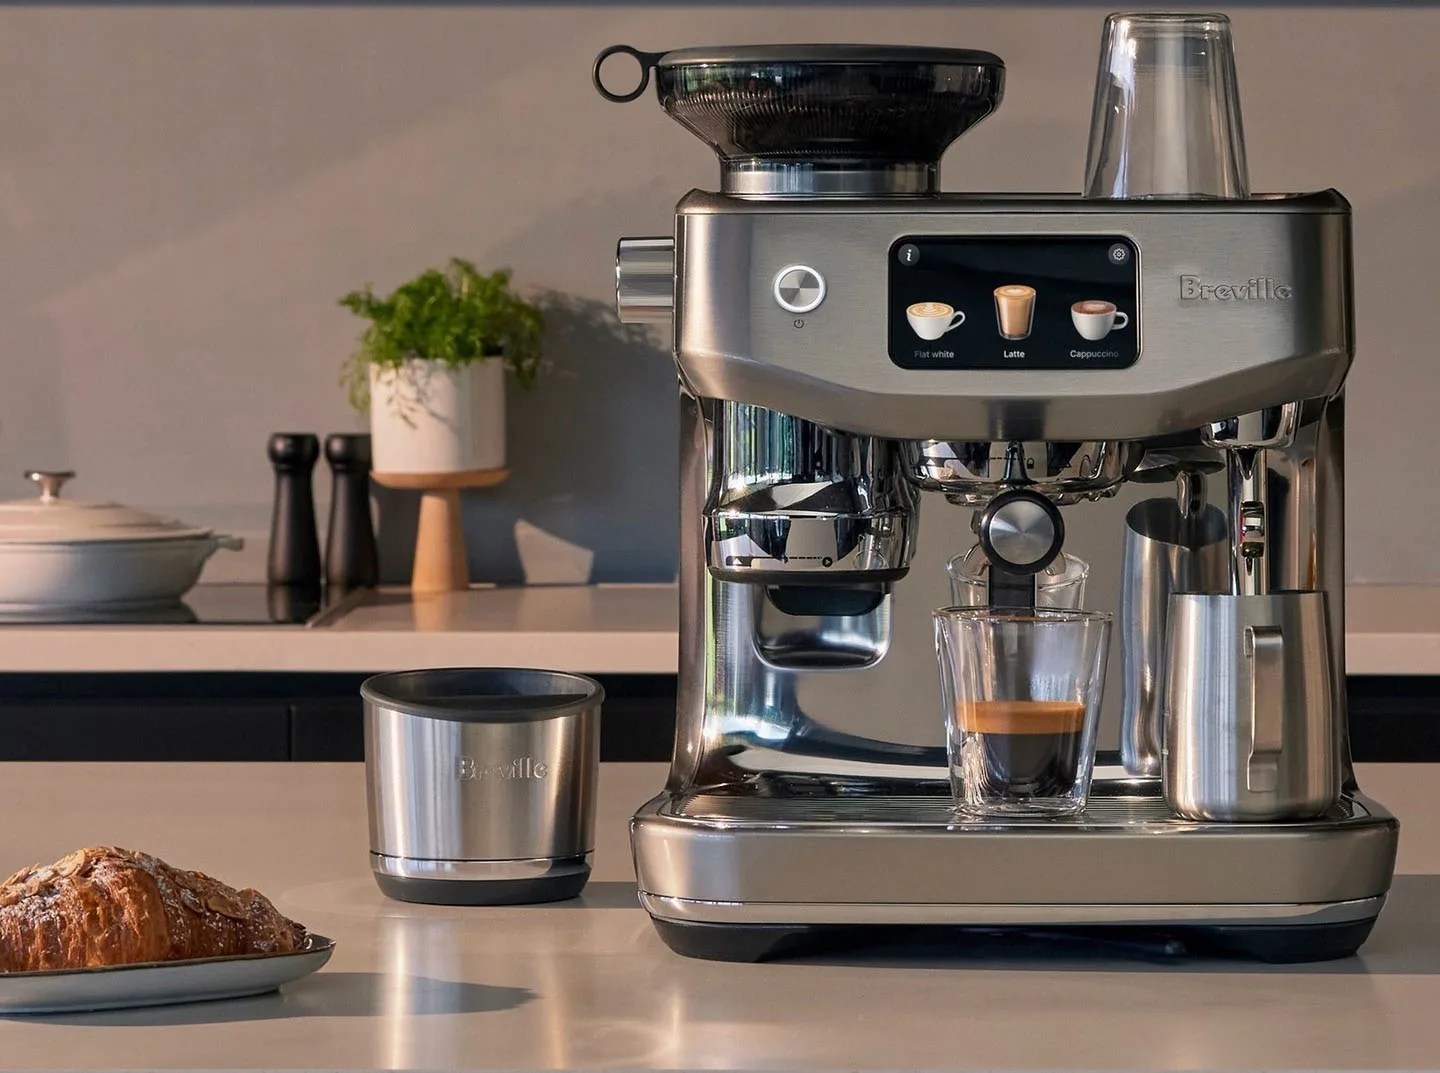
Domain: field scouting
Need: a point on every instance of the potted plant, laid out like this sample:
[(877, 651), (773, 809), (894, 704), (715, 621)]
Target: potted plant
[(430, 368)]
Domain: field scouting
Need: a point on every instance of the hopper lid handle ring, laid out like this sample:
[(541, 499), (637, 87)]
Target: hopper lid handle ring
[(647, 61)]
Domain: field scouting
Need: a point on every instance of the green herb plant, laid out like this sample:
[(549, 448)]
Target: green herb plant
[(454, 317)]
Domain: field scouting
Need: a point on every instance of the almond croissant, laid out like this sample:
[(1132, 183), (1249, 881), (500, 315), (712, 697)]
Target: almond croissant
[(106, 906)]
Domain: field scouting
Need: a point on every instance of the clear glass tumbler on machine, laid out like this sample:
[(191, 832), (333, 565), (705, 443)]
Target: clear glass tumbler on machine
[(1021, 693)]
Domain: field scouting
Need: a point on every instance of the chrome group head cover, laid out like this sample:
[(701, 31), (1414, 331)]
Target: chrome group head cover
[(822, 120)]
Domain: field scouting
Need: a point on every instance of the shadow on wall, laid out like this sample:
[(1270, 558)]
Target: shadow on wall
[(592, 456)]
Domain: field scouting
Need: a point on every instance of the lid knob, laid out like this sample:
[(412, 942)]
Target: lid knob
[(50, 482)]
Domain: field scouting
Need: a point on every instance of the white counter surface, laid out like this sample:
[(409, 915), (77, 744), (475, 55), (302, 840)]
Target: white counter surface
[(596, 629), (587, 984), (588, 628)]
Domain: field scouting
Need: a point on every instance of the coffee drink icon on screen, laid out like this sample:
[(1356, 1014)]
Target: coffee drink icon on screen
[(931, 320), (1014, 310), (1095, 319)]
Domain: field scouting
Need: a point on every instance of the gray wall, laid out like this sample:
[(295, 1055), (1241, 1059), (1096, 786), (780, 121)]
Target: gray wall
[(184, 192)]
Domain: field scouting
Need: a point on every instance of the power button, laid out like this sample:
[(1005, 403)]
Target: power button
[(799, 288)]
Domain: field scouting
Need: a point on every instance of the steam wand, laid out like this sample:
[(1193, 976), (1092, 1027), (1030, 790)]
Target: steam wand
[(1245, 440)]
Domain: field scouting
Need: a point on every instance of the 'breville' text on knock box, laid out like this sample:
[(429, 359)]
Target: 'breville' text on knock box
[(522, 767)]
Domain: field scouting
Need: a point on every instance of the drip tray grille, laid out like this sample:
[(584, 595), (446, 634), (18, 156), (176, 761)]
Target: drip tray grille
[(930, 811)]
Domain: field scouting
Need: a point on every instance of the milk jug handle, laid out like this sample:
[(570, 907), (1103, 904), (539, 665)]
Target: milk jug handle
[(1265, 651)]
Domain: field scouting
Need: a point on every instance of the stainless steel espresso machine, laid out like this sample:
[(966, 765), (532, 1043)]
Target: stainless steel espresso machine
[(1161, 374)]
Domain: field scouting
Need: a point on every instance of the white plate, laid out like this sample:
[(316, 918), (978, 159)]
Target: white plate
[(158, 983)]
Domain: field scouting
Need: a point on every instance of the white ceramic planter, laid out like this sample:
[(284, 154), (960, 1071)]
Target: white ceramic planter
[(425, 418)]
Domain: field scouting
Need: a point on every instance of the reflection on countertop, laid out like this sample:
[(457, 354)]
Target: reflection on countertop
[(206, 604), (524, 608)]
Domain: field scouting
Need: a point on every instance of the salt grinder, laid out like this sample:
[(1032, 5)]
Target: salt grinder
[(294, 543)]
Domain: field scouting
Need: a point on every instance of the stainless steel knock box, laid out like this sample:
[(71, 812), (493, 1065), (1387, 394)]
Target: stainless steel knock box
[(481, 783)]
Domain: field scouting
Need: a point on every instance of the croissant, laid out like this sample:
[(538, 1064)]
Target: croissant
[(106, 906)]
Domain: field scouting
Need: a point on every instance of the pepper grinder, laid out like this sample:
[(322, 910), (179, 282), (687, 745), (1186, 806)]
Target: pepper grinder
[(294, 543), (351, 558)]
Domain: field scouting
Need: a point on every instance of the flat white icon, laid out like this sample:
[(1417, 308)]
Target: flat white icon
[(931, 320)]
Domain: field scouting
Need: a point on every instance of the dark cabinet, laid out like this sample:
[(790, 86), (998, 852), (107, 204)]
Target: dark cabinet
[(250, 716), (327, 728), (150, 730)]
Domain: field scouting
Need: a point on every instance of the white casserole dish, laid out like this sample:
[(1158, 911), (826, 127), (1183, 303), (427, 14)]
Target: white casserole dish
[(59, 553)]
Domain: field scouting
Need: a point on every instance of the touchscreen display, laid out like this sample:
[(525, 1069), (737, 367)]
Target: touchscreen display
[(1014, 303)]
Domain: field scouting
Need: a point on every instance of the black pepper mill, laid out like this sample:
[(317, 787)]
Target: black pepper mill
[(294, 543), (351, 559)]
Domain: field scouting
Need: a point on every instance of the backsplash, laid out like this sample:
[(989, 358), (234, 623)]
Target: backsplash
[(186, 192)]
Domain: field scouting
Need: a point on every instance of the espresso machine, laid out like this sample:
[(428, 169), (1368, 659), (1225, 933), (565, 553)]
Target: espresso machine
[(1163, 375)]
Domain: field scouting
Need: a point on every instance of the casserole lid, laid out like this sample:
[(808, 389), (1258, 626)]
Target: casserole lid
[(49, 519)]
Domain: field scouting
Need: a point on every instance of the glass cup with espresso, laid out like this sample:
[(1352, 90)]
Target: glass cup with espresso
[(1021, 690)]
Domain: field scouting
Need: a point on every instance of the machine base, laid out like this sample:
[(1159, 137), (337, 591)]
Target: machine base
[(768, 942), (753, 872)]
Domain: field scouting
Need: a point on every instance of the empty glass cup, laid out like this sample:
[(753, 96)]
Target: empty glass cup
[(1061, 584), (1021, 692), (1166, 119)]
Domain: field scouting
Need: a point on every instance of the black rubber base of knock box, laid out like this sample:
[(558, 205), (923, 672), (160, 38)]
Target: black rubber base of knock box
[(483, 891)]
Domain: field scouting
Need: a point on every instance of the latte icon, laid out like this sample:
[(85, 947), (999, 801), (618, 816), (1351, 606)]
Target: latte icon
[(1095, 319), (1014, 310), (931, 320)]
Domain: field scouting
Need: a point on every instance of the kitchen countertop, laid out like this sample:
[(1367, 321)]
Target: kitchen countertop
[(619, 629), (1392, 629), (598, 629), (587, 984)]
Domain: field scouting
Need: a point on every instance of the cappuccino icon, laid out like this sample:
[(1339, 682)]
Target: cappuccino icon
[(931, 320), (1095, 319)]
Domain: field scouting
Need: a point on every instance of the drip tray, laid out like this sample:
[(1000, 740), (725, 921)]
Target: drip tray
[(934, 811), (729, 854)]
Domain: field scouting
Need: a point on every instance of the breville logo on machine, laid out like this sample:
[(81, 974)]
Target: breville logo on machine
[(522, 767), (1254, 289)]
